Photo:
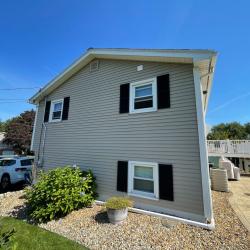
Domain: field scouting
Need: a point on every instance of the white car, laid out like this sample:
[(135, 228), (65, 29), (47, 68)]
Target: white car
[(14, 169)]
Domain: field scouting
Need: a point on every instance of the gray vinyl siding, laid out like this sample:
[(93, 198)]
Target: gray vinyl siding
[(96, 136)]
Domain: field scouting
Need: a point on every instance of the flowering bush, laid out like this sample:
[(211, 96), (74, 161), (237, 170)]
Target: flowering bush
[(60, 191)]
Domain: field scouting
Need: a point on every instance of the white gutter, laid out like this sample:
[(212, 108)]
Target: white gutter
[(210, 226)]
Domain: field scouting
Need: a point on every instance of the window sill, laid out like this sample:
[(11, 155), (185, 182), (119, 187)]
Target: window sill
[(143, 196), (142, 111), (55, 121)]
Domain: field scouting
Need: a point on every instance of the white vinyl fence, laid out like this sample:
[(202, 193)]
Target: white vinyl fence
[(231, 148)]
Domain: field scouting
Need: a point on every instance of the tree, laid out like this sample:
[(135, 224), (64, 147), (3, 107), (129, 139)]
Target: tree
[(247, 129), (18, 132), (2, 126), (231, 131)]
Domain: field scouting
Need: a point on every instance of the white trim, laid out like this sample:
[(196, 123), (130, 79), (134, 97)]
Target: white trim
[(132, 87), (52, 109), (208, 226), (155, 179), (34, 129), (207, 200)]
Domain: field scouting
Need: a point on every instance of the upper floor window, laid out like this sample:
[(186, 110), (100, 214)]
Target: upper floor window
[(143, 97), (56, 110)]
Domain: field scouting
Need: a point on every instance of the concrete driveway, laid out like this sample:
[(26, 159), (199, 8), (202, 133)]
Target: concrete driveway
[(240, 199)]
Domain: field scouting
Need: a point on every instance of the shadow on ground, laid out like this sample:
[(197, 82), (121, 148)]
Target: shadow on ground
[(19, 212), (101, 217), (14, 187)]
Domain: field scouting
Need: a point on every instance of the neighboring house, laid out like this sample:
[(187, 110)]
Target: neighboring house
[(136, 118), (4, 148)]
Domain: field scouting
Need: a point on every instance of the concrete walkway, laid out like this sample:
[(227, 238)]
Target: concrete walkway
[(240, 199)]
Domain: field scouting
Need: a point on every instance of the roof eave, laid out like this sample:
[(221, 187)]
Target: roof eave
[(177, 56)]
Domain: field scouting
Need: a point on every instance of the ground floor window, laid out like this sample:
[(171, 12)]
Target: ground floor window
[(143, 179)]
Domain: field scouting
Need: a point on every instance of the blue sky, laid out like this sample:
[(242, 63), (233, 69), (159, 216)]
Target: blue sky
[(38, 39)]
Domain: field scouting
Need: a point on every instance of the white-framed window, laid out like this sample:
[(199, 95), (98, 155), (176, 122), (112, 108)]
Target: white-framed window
[(143, 179), (143, 96), (56, 110)]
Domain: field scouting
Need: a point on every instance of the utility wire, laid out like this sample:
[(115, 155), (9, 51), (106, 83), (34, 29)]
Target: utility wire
[(4, 102), (25, 88), (10, 99)]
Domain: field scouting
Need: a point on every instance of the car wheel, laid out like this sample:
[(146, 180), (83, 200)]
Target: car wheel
[(5, 182)]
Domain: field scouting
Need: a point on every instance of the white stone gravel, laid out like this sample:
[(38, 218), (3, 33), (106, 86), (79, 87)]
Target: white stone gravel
[(90, 227)]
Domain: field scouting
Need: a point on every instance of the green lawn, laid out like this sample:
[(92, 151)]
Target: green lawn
[(29, 237)]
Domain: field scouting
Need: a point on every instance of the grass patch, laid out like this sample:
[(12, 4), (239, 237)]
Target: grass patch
[(30, 237)]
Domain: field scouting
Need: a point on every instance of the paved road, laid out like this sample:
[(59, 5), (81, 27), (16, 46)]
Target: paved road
[(240, 200)]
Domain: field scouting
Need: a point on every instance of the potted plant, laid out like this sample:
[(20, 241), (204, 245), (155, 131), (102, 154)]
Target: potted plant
[(117, 209)]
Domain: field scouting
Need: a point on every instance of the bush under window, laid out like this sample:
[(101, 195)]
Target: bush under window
[(60, 191)]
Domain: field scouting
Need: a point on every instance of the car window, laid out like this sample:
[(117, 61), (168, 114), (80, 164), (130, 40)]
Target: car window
[(26, 162), (4, 163)]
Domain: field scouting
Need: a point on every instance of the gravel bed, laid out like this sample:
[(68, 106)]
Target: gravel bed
[(90, 227)]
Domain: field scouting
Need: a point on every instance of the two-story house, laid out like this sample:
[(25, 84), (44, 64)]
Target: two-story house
[(136, 118)]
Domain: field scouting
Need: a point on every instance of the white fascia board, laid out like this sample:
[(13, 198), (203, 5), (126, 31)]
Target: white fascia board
[(154, 53)]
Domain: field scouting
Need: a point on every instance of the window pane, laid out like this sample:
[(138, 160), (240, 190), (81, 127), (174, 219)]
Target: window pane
[(144, 185), (57, 106), (56, 115), (143, 172), (5, 163), (27, 162), (144, 102), (144, 90)]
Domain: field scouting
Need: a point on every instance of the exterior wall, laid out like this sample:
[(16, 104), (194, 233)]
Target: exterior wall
[(96, 136)]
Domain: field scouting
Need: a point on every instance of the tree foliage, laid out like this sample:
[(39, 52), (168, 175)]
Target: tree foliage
[(231, 131), (18, 132), (2, 126), (247, 128)]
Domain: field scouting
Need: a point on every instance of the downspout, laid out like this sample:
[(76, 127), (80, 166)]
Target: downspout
[(40, 160), (43, 145), (34, 128)]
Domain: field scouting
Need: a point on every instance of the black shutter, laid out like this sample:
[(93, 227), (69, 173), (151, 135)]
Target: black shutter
[(166, 188), (65, 113), (124, 98), (122, 176), (163, 91), (47, 110)]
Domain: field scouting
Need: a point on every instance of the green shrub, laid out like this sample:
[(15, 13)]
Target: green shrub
[(118, 203), (60, 191)]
